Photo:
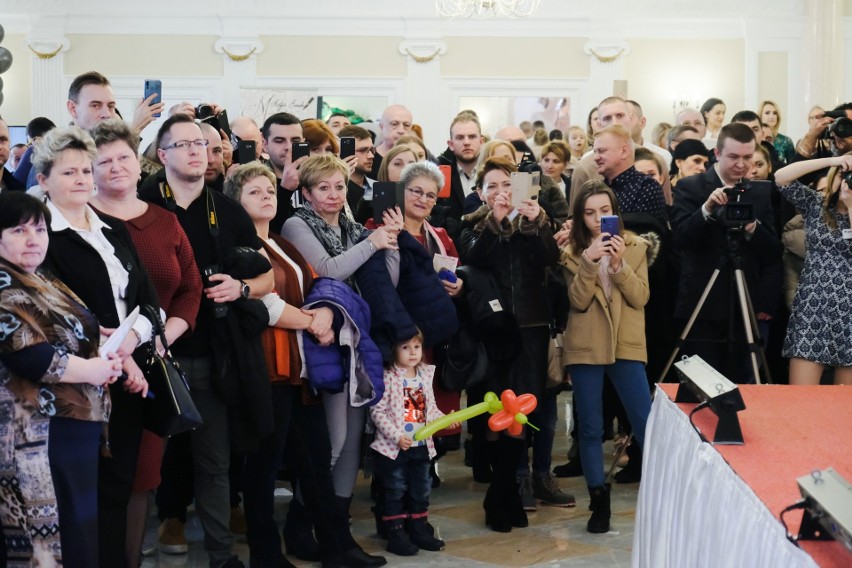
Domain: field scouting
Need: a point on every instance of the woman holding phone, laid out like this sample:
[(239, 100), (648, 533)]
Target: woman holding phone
[(607, 277)]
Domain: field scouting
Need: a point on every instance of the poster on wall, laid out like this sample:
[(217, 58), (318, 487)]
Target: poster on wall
[(259, 103), (497, 112)]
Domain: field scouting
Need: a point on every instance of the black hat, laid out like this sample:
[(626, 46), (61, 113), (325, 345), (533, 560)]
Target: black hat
[(689, 148)]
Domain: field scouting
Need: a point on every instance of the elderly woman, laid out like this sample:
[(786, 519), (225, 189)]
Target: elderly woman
[(113, 283), (51, 377), (167, 256), (301, 432), (516, 246), (336, 246)]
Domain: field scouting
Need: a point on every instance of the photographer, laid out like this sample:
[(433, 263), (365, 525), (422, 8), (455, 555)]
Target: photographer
[(704, 240), (819, 333), (829, 135)]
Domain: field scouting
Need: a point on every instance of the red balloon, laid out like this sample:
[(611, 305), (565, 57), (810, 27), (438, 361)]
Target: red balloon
[(512, 406)]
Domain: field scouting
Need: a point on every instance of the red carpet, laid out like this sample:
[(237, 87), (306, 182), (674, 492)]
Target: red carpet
[(789, 431)]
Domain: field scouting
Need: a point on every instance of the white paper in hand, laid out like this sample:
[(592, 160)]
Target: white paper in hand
[(440, 261), (114, 341)]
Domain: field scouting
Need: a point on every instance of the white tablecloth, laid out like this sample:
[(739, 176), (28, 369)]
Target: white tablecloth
[(694, 511)]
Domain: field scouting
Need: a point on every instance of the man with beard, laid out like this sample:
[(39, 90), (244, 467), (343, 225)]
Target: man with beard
[(360, 183), (462, 156)]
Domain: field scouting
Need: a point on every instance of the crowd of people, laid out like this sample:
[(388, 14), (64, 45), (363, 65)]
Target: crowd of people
[(321, 326)]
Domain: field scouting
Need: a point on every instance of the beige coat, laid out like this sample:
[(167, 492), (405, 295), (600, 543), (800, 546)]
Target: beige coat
[(601, 331)]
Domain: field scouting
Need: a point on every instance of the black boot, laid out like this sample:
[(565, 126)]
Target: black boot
[(503, 507), (398, 541), (298, 534), (422, 534), (632, 472), (346, 553), (599, 521)]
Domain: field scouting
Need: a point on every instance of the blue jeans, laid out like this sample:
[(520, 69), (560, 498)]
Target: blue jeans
[(408, 473), (631, 384)]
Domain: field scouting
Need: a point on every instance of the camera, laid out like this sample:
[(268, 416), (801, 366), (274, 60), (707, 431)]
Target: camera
[(219, 310), (842, 127), (203, 112), (528, 164), (736, 213)]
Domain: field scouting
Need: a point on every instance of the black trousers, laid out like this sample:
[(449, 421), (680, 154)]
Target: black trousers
[(301, 437)]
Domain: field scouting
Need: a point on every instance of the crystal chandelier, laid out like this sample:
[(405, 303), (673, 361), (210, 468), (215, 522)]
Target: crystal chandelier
[(486, 8)]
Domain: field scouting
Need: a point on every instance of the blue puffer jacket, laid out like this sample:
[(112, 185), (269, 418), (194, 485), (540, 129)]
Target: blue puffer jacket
[(419, 298), (354, 357)]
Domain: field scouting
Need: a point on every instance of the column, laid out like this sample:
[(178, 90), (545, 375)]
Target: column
[(49, 90), (824, 51), (607, 66), (240, 67), (422, 86)]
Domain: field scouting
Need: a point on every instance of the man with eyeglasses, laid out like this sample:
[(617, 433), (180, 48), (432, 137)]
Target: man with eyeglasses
[(396, 120), (360, 184), (214, 225)]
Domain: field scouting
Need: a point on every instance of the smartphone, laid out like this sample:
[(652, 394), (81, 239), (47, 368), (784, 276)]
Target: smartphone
[(300, 149), (385, 196), (446, 189), (246, 151), (609, 224), (521, 187), (347, 147), (224, 124), (154, 87)]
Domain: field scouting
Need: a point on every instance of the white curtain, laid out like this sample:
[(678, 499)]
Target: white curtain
[(694, 511)]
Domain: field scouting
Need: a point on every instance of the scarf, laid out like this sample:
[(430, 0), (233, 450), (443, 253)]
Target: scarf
[(333, 245)]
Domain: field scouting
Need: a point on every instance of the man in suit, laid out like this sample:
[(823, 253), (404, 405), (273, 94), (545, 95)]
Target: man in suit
[(704, 241)]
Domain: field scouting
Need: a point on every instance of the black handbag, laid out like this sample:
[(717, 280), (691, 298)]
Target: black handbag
[(171, 410)]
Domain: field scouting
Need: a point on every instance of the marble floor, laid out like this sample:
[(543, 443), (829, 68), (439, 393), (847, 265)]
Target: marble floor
[(555, 537)]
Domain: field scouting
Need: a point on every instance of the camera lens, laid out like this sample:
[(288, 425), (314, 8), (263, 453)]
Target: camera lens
[(203, 111), (842, 128)]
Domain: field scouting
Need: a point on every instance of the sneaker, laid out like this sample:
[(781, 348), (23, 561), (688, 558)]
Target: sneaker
[(546, 489), (525, 489), (238, 521), (172, 537)]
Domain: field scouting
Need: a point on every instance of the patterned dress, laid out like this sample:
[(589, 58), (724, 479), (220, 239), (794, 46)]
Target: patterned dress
[(41, 325), (820, 329)]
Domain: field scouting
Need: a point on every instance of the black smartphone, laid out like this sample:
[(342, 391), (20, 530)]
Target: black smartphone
[(246, 151), (385, 196), (300, 149), (154, 87), (224, 124), (347, 147)]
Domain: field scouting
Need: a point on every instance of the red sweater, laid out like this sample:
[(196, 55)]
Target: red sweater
[(167, 255)]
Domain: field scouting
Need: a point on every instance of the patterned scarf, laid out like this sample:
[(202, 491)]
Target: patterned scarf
[(349, 230)]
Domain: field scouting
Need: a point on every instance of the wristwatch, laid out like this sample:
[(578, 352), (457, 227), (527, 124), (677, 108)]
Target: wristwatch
[(244, 289)]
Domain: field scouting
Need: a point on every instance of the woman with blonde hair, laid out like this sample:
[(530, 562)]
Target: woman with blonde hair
[(770, 115)]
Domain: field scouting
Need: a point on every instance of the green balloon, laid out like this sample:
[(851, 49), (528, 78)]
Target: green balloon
[(5, 59)]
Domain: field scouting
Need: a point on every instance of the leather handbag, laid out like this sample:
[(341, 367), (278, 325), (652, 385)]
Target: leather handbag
[(171, 410)]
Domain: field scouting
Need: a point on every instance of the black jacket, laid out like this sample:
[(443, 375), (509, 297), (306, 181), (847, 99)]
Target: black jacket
[(517, 254), (703, 243), (451, 207)]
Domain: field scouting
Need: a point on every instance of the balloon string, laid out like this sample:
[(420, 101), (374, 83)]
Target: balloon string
[(533, 426)]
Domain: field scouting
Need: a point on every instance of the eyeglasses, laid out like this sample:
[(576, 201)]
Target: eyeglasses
[(187, 144), (420, 194)]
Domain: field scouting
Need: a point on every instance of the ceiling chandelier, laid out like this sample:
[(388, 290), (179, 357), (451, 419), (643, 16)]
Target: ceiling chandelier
[(486, 8)]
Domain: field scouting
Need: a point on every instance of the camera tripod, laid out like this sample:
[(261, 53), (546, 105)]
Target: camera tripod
[(732, 257)]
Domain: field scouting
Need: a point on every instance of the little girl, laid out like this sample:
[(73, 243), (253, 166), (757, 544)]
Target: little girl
[(402, 464), (607, 277)]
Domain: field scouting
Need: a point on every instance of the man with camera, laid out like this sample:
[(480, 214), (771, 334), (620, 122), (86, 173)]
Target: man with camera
[(279, 132), (215, 225), (828, 135), (711, 224)]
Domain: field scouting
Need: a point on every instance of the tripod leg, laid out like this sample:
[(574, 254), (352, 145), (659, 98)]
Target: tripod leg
[(692, 317), (764, 364), (739, 277)]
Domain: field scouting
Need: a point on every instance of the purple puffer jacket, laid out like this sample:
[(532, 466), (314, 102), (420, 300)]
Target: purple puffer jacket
[(354, 357)]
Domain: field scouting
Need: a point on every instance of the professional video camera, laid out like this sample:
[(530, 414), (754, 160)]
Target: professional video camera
[(737, 213)]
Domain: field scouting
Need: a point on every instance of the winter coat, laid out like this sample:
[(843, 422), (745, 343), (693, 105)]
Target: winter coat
[(354, 358), (600, 331), (389, 414), (517, 254)]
